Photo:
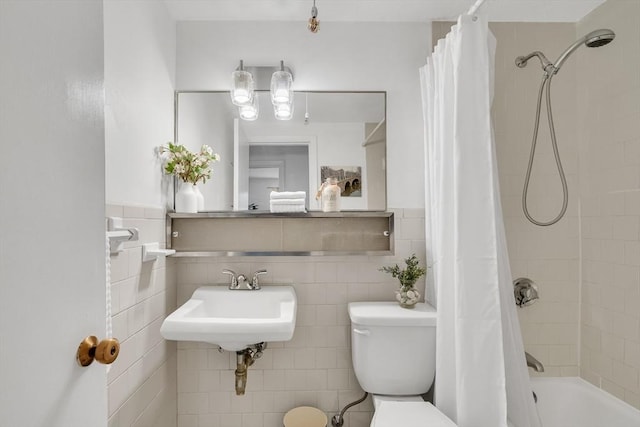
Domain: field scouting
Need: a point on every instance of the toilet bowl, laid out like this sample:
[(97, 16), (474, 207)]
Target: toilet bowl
[(383, 335)]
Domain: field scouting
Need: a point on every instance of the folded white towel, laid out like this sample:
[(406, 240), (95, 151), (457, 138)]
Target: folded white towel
[(282, 202), (287, 208), (288, 195)]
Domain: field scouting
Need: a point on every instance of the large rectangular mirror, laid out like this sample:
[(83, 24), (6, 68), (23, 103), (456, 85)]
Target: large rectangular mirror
[(340, 134)]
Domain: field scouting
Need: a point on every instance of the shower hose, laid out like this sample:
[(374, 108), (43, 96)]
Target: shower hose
[(546, 82)]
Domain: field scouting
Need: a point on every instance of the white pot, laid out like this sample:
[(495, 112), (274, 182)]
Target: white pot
[(186, 199)]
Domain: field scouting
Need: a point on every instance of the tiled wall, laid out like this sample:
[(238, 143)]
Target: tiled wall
[(142, 381), (314, 368), (547, 255), (609, 132)]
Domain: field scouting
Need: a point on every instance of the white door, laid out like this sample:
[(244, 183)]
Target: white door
[(52, 248)]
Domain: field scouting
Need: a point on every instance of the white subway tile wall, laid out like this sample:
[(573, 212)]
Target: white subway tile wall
[(609, 131), (547, 255), (314, 368), (142, 381)]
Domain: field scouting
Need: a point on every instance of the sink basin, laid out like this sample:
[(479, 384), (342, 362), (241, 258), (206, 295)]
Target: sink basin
[(234, 319)]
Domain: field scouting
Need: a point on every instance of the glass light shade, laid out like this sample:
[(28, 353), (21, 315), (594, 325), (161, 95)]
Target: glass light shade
[(281, 87), (283, 111), (251, 111), (241, 87)]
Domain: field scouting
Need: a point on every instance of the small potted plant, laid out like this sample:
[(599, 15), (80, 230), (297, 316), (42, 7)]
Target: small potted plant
[(407, 295), (191, 168)]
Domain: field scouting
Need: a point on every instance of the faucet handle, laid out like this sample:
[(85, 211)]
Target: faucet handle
[(254, 281), (234, 280)]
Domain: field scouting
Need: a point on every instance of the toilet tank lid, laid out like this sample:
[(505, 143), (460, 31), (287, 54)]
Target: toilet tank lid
[(391, 314)]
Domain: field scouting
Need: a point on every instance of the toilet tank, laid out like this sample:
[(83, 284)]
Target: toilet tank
[(393, 348)]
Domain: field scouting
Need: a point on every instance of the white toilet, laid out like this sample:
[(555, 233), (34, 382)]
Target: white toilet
[(394, 359)]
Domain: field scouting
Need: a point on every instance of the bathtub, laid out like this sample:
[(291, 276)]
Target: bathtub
[(573, 402)]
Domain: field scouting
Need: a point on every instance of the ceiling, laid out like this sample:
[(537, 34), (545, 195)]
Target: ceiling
[(378, 10)]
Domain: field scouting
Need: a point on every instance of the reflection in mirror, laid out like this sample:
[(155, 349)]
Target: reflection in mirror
[(341, 134)]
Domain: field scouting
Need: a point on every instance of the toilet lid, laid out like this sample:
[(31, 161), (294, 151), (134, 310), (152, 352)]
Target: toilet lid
[(409, 414)]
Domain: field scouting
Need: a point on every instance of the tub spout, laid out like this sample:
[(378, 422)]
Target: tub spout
[(534, 363)]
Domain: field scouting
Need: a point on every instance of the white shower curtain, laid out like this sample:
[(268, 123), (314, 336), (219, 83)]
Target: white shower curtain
[(481, 373)]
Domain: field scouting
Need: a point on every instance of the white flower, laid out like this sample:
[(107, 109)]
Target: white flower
[(207, 149), (411, 294)]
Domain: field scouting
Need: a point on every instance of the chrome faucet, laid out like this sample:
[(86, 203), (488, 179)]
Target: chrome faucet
[(534, 363), (239, 281), (242, 282)]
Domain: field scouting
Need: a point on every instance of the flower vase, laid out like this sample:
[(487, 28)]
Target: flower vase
[(186, 199), (199, 197), (407, 297)]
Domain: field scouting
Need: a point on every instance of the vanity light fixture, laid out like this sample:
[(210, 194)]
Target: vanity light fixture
[(242, 86), (281, 86), (282, 93), (247, 82), (283, 111), (314, 24), (250, 112)]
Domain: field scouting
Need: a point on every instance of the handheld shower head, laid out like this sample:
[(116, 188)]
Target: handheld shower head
[(599, 38), (595, 38)]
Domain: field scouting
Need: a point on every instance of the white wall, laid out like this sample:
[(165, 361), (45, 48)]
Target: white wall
[(342, 56), (139, 76), (139, 82)]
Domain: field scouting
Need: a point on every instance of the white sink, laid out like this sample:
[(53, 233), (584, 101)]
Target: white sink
[(234, 319)]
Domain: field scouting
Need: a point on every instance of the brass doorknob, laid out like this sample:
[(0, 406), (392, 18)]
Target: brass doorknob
[(105, 351)]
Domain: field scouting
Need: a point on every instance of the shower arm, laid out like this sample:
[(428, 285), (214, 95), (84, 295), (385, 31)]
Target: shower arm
[(547, 66)]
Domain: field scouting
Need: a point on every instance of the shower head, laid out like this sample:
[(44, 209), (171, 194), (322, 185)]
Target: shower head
[(599, 38), (595, 38)]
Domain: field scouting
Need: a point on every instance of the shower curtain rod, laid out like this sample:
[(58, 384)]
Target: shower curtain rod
[(474, 8)]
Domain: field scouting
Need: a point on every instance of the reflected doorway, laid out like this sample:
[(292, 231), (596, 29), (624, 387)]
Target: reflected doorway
[(274, 167)]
